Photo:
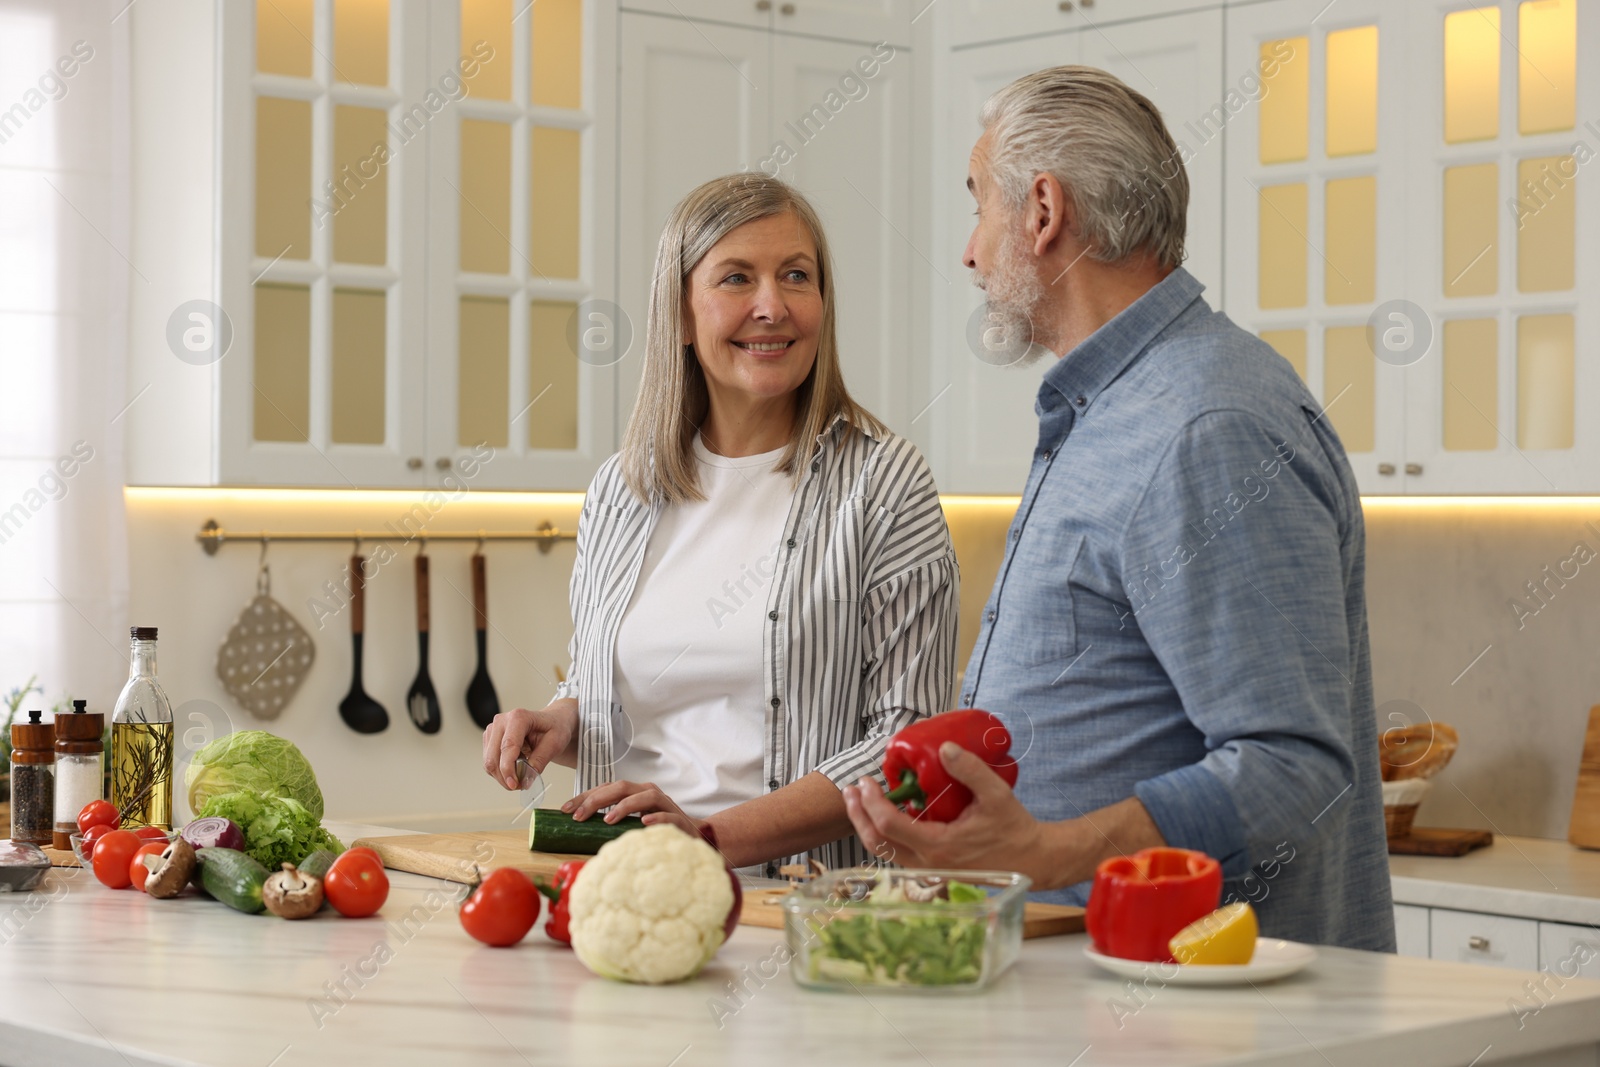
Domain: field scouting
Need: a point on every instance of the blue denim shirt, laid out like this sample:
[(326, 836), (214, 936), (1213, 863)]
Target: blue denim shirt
[(1180, 616)]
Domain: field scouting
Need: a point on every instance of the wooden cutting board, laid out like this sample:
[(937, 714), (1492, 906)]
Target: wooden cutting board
[(1584, 829), (1432, 841), (458, 856), (455, 857)]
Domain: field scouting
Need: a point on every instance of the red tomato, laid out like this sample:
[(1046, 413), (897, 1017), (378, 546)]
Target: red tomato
[(93, 834), (98, 813), (137, 871), (356, 885), (502, 909), (112, 854), (151, 833)]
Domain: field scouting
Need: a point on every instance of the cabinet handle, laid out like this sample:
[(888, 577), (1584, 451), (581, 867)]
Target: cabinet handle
[(1065, 5), (1478, 944), (1386, 469), (1413, 468), (1085, 3), (443, 463), (763, 5), (786, 9), (414, 463)]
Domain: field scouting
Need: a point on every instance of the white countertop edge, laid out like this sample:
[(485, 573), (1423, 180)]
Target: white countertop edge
[(1497, 900)]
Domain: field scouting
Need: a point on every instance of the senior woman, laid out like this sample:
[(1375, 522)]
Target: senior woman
[(765, 589)]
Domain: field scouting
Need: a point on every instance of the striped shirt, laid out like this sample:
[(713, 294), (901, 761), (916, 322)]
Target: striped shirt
[(861, 632)]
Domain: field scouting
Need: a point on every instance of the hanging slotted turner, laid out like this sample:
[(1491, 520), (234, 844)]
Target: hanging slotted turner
[(422, 702)]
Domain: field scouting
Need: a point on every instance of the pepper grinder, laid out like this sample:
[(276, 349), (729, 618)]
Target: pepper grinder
[(33, 766)]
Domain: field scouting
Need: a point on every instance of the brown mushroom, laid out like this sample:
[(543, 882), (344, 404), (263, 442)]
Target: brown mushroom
[(170, 871), (292, 895)]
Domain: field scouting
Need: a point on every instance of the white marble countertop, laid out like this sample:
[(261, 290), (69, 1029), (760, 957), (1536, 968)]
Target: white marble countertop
[(1527, 876), (92, 977)]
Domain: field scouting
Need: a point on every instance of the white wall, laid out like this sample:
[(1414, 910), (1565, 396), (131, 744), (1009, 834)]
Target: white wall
[(400, 777)]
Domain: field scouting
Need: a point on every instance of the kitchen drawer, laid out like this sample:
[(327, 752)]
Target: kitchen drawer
[(1471, 937), (1569, 951), (1411, 930)]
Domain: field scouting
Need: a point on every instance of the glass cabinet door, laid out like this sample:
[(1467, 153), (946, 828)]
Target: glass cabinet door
[(322, 245), (521, 280), (1316, 183)]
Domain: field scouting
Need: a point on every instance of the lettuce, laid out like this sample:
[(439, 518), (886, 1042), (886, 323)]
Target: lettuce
[(253, 760), (277, 830)]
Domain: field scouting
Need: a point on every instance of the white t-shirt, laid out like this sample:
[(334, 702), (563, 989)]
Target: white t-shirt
[(688, 663)]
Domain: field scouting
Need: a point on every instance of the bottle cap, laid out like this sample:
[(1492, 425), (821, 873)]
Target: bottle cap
[(144, 633)]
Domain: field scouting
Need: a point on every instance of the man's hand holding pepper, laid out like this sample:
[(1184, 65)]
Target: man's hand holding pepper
[(996, 832)]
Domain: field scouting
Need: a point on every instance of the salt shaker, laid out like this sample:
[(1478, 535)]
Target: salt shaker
[(80, 768)]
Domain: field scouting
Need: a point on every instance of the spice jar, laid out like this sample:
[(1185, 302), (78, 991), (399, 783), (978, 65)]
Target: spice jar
[(33, 781), (80, 767)]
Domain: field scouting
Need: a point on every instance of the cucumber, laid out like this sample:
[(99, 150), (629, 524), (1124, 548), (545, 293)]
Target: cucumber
[(316, 864), (553, 830), (233, 878)]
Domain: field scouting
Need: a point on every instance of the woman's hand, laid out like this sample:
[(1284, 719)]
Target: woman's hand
[(631, 798), (544, 735)]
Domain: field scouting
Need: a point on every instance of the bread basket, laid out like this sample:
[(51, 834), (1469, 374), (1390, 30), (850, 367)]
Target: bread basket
[(1410, 756)]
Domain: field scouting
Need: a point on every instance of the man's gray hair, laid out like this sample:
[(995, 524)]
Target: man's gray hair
[(1107, 146)]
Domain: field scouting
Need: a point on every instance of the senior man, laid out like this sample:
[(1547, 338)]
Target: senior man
[(1177, 638)]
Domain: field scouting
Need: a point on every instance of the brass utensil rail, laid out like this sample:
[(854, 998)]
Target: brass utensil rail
[(212, 536)]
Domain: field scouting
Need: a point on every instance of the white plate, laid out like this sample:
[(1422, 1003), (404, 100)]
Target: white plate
[(1273, 959)]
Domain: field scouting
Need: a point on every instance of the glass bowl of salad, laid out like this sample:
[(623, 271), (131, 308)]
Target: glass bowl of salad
[(923, 930)]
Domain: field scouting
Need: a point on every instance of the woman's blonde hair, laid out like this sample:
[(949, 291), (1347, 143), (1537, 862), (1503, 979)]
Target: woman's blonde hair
[(658, 447)]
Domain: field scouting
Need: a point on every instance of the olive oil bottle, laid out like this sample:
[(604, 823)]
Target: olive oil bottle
[(141, 741)]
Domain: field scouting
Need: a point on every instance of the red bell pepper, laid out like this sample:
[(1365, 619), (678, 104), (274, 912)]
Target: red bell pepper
[(556, 926), (916, 776), (1139, 902)]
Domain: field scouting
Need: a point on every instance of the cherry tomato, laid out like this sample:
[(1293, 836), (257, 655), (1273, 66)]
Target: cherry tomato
[(137, 871), (356, 885), (112, 854), (151, 833), (93, 834), (502, 909), (99, 813)]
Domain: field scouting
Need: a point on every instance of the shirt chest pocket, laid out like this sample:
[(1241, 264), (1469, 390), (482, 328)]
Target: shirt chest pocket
[(1035, 624), (854, 537)]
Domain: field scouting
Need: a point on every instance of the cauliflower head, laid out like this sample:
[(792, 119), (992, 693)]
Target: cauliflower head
[(650, 906)]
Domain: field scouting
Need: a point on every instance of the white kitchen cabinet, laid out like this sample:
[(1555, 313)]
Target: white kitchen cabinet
[(1472, 937), (1411, 931), (339, 204), (852, 164), (981, 424), (1470, 378), (1317, 215), (866, 21), (978, 21), (673, 68), (792, 106), (1569, 951)]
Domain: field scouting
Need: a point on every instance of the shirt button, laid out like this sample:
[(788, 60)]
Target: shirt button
[(772, 783), (791, 542), (990, 616), (1044, 453), (1080, 401), (773, 615), (776, 702), (816, 464)]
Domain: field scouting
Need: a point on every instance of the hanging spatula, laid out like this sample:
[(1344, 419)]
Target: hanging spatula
[(422, 701), (482, 702), (359, 711)]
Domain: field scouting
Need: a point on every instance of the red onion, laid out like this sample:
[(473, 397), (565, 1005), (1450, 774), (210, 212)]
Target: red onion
[(214, 832)]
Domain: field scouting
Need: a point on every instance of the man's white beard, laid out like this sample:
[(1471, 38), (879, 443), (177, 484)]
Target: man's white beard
[(1013, 293)]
